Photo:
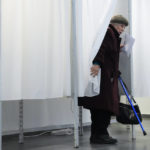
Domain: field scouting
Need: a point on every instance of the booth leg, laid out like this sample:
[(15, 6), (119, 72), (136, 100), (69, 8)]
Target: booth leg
[(0, 125), (130, 31), (80, 120), (21, 135), (76, 124), (133, 132)]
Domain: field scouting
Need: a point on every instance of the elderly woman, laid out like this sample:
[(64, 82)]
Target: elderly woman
[(106, 104)]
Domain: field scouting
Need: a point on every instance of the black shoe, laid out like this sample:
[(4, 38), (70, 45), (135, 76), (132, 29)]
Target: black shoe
[(102, 139)]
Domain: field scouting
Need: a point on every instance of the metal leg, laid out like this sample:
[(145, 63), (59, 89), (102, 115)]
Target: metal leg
[(0, 125), (80, 121), (133, 133), (130, 31), (76, 123), (75, 69), (21, 136), (132, 126), (0, 101), (127, 102)]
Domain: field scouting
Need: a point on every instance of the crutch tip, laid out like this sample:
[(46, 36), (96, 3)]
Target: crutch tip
[(144, 133)]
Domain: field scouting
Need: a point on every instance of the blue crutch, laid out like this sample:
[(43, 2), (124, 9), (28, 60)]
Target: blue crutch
[(123, 86)]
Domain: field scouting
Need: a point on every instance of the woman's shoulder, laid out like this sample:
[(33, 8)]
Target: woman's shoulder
[(109, 34)]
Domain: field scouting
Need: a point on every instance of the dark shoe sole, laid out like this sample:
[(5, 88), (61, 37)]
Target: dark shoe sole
[(102, 142), (109, 140)]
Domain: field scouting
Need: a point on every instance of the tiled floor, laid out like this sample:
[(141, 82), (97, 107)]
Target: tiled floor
[(65, 142)]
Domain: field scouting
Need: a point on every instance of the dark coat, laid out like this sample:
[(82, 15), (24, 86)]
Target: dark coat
[(108, 58)]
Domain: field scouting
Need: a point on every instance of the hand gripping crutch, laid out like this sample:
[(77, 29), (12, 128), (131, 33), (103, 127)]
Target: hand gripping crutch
[(123, 86)]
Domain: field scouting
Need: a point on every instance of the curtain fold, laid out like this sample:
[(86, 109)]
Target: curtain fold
[(141, 53), (92, 22), (35, 55)]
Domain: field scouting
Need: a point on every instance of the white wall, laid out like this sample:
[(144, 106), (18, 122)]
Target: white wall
[(54, 113)]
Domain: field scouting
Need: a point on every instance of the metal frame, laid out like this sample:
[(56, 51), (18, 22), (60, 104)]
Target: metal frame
[(130, 31), (21, 135), (74, 66), (75, 104), (80, 120)]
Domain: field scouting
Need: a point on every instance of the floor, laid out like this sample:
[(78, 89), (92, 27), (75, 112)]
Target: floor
[(65, 142)]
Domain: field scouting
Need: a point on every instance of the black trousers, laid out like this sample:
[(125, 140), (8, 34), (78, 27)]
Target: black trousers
[(100, 122)]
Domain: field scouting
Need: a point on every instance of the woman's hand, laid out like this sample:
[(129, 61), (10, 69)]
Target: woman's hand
[(95, 70), (121, 46)]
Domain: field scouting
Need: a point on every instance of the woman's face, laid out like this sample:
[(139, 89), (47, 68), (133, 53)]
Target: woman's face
[(119, 27)]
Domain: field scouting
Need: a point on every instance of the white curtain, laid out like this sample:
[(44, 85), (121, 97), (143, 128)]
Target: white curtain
[(92, 18), (141, 52), (35, 50)]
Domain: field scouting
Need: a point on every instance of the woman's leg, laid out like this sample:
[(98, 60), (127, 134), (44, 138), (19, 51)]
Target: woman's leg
[(100, 122)]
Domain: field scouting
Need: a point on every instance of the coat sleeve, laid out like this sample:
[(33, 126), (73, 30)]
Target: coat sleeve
[(105, 47)]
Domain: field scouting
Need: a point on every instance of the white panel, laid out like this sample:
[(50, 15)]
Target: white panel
[(141, 53), (35, 55)]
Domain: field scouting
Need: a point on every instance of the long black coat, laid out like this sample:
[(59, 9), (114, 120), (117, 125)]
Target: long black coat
[(108, 58)]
